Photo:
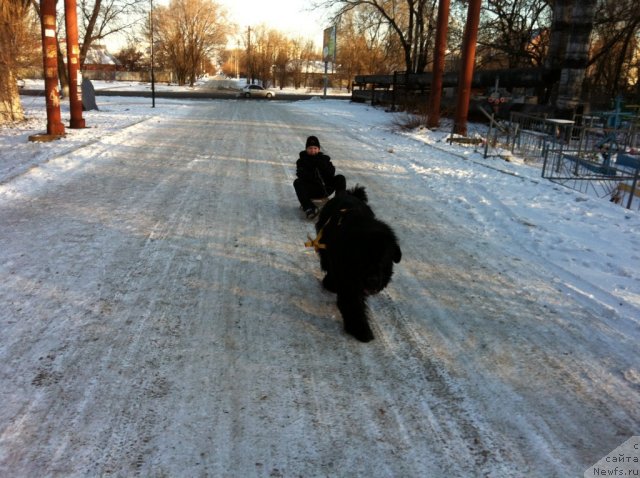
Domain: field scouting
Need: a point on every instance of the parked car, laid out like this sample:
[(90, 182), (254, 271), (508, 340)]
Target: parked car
[(257, 91)]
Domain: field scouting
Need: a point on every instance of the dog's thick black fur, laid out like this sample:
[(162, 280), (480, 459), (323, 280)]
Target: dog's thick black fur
[(357, 254)]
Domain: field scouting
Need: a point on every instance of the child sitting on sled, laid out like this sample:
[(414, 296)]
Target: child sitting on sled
[(316, 177)]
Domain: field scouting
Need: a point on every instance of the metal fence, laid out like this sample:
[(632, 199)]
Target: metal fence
[(591, 154)]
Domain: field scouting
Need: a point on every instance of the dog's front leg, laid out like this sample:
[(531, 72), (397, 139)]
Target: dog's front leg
[(354, 314), (329, 283)]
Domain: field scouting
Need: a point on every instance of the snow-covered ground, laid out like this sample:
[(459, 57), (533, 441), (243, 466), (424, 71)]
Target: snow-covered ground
[(162, 317)]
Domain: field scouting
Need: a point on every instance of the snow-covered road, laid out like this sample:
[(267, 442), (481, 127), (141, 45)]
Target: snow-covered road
[(162, 316)]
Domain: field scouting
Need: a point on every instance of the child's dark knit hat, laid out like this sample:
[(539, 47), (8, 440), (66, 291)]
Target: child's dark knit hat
[(312, 141)]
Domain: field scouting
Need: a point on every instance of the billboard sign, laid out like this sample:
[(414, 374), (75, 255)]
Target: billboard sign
[(329, 45)]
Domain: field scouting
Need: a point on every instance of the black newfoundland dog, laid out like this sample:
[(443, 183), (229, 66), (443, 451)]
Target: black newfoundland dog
[(357, 252)]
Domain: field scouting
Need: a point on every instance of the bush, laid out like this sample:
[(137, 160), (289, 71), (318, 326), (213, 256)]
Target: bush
[(409, 122)]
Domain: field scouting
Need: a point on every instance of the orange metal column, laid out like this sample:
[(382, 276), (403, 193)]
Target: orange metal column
[(466, 68), (435, 96), (50, 60), (73, 64)]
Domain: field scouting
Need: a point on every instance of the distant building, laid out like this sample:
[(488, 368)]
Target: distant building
[(99, 64), (310, 74)]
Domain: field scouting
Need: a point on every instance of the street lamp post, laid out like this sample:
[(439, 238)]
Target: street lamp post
[(237, 59), (153, 78)]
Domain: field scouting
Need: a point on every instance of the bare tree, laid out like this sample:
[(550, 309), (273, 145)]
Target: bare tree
[(512, 32), (352, 48), (266, 45), (284, 54), (187, 33), (614, 51), (408, 20), (364, 47), (308, 56), (99, 19), (130, 57), (301, 49)]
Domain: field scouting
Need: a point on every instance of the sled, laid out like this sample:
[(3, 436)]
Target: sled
[(320, 202)]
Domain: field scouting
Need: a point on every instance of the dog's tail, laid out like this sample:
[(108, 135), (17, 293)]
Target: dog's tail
[(359, 192)]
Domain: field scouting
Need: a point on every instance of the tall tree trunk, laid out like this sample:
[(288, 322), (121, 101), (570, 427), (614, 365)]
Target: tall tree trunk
[(421, 34), (12, 12), (88, 34), (63, 76), (10, 106), (576, 59), (411, 65)]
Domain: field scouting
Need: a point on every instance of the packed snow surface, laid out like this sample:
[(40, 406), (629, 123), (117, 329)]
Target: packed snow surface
[(162, 317)]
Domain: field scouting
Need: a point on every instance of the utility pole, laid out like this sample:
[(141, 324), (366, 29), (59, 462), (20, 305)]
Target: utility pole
[(248, 55), (237, 59), (153, 76), (73, 64)]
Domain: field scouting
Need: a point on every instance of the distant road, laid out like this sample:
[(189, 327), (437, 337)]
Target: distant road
[(201, 94)]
